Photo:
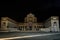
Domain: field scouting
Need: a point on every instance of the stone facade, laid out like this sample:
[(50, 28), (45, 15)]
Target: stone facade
[(52, 23), (30, 24)]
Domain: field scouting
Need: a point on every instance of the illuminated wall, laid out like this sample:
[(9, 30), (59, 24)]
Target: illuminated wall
[(8, 24), (52, 23), (30, 24), (55, 23)]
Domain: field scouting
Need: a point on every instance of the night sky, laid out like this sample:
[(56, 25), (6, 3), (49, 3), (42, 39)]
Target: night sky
[(18, 10)]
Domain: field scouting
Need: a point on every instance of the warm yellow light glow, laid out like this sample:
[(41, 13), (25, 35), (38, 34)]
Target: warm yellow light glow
[(3, 39), (19, 37), (54, 18)]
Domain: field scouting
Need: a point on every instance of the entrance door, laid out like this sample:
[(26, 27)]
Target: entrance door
[(30, 25), (54, 26)]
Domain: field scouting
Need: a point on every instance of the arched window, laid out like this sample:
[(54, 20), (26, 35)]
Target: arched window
[(3, 24), (55, 24)]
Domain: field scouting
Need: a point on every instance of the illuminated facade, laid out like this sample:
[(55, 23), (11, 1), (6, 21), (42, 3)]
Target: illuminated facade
[(30, 24)]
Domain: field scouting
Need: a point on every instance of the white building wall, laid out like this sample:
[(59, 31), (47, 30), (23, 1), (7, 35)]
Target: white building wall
[(56, 27), (45, 29), (7, 24), (12, 26), (50, 25), (4, 24), (13, 29)]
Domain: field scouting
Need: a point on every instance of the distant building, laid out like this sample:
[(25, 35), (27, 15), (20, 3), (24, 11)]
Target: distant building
[(30, 24)]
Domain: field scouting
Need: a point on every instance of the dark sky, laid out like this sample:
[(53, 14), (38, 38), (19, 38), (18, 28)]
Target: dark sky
[(42, 9)]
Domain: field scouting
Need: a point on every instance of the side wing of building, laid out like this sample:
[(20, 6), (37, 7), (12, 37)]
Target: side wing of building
[(8, 24)]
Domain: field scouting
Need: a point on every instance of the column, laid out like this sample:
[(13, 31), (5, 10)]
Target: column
[(24, 28), (33, 28)]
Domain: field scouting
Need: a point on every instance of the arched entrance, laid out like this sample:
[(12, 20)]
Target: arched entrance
[(30, 25)]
